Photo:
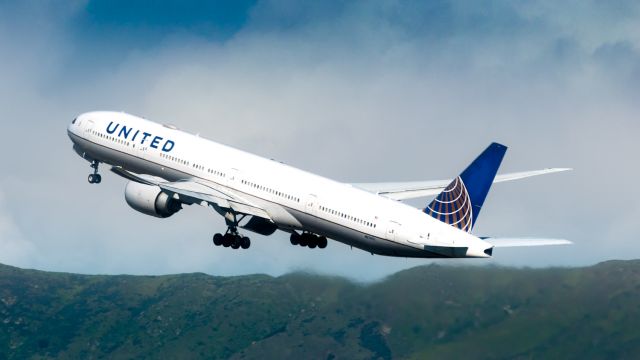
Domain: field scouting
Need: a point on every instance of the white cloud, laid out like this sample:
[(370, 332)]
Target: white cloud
[(360, 99)]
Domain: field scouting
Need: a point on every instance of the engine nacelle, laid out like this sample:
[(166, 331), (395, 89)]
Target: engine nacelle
[(150, 200)]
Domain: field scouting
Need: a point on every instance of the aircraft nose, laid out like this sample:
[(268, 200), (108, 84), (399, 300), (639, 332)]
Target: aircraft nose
[(73, 127)]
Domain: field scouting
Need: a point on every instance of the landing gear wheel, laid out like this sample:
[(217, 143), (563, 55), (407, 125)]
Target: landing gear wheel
[(227, 240), (313, 242), (91, 179), (304, 240), (235, 244), (295, 238), (97, 179), (245, 242), (322, 242), (217, 239)]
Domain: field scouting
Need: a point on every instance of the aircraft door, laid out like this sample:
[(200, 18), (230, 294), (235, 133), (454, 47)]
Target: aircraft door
[(89, 126), (311, 204), (141, 151), (234, 177), (393, 229)]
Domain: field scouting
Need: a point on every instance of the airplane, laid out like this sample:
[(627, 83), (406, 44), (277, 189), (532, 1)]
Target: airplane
[(168, 168)]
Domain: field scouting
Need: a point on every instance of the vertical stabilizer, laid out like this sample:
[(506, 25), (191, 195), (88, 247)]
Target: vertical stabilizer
[(460, 202)]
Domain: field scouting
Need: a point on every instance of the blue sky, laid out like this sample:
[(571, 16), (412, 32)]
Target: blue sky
[(145, 24), (357, 91)]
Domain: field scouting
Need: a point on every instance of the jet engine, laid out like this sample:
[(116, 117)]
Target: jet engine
[(150, 200)]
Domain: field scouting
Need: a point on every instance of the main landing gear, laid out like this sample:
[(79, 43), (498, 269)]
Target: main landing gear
[(94, 178), (309, 240), (232, 237)]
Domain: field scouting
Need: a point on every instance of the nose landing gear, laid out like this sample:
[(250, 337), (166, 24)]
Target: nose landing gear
[(94, 178)]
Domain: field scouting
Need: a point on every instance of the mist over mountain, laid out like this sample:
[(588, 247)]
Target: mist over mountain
[(424, 312)]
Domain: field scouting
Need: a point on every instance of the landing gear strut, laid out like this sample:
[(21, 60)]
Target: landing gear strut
[(95, 178), (309, 240), (232, 237)]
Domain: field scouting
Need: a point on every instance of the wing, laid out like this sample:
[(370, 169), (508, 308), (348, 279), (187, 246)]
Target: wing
[(198, 192), (418, 189), (514, 242)]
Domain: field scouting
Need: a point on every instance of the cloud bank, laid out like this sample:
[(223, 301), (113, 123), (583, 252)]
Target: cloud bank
[(371, 91)]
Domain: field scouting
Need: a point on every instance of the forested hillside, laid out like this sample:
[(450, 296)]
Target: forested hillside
[(425, 312)]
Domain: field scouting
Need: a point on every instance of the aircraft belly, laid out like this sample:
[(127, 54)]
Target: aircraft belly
[(359, 239)]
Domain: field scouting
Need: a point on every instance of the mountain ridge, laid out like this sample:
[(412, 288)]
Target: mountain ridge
[(436, 311)]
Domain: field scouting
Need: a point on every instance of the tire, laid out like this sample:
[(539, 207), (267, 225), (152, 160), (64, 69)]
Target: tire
[(91, 179), (227, 239), (295, 238), (217, 239), (98, 179), (322, 242), (245, 242), (304, 240), (235, 244)]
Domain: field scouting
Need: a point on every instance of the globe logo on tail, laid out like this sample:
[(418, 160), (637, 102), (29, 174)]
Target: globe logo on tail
[(453, 206)]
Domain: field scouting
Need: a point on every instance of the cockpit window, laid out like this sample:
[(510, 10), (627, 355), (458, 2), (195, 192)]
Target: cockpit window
[(74, 121)]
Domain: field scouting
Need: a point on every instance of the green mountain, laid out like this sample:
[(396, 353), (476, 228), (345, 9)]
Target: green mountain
[(425, 312)]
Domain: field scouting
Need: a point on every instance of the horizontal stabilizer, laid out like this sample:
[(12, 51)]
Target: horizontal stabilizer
[(515, 242), (526, 174), (417, 189)]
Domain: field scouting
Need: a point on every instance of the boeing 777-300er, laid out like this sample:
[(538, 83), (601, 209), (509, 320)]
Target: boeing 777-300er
[(168, 168)]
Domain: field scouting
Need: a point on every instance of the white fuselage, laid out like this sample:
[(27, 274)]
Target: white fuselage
[(293, 198)]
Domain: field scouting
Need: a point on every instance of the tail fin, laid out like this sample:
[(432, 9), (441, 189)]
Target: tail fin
[(460, 202)]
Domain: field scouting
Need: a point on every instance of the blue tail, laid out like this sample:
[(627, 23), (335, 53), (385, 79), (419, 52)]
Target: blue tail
[(460, 202)]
